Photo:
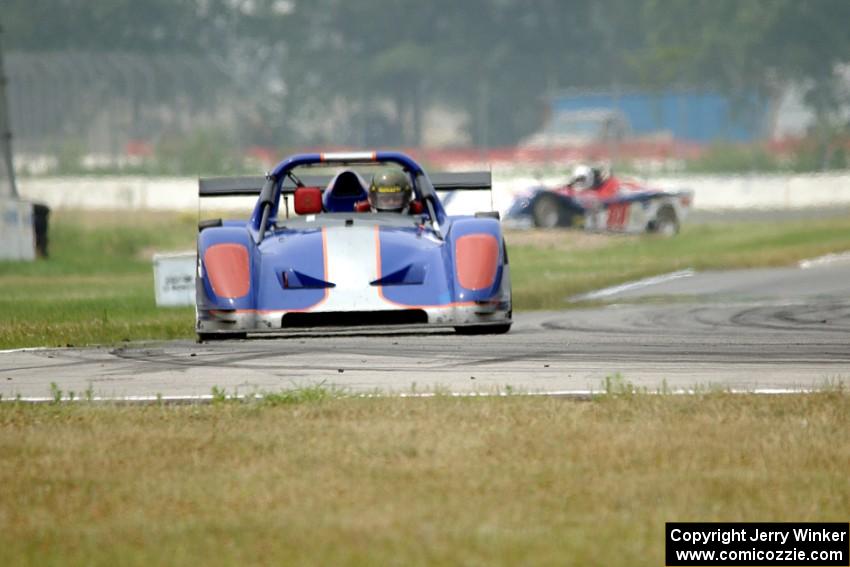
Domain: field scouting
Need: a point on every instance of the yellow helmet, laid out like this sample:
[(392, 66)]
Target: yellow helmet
[(390, 191)]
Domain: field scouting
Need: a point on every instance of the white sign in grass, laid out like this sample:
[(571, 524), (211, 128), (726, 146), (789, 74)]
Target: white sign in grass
[(174, 279)]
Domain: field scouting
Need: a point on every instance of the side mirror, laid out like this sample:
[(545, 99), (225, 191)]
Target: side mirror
[(308, 201)]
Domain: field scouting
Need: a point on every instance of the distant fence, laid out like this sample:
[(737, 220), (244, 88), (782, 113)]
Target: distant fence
[(104, 101), (181, 193)]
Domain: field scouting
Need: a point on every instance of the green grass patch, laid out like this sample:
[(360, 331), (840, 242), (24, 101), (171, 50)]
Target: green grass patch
[(323, 480), (543, 276), (97, 285)]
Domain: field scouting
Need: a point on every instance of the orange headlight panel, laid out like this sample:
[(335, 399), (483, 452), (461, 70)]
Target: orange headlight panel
[(228, 270), (476, 260)]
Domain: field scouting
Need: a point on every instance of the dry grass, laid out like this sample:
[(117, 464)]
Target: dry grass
[(510, 481)]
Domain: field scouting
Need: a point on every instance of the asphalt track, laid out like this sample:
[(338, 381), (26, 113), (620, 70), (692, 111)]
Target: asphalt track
[(783, 328)]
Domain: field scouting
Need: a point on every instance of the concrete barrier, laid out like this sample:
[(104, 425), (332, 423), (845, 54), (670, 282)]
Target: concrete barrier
[(17, 238), (711, 192), (764, 191), (114, 193)]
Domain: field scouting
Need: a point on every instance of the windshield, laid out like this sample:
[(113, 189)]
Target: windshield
[(323, 176)]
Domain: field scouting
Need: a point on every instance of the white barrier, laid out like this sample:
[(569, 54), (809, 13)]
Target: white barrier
[(718, 192), (114, 193), (711, 192), (764, 191), (17, 237)]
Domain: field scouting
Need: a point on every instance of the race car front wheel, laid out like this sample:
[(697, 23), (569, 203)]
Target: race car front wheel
[(546, 211)]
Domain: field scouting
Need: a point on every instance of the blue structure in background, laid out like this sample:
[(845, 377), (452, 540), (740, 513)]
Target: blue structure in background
[(688, 115)]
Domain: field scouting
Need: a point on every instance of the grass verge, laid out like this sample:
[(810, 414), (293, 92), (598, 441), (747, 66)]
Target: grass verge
[(324, 480), (544, 274), (97, 286)]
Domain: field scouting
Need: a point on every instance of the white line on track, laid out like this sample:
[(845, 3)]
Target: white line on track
[(824, 260), (26, 349), (638, 284), (574, 394)]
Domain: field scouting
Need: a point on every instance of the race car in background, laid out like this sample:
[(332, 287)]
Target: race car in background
[(605, 203), (339, 264)]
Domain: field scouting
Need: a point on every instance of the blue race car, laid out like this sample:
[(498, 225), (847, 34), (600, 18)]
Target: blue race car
[(340, 264)]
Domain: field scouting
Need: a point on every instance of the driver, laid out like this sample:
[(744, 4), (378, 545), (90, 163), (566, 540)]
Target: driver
[(585, 177), (594, 183), (390, 191)]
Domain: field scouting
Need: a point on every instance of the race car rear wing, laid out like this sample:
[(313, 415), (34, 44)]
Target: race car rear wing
[(253, 185), (462, 181)]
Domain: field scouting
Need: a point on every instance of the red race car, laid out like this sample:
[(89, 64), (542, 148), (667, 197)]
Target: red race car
[(597, 200)]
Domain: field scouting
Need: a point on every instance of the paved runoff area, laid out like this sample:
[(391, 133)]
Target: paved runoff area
[(772, 329)]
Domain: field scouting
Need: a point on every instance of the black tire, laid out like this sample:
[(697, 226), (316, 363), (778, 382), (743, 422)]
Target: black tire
[(547, 212), (666, 224), (484, 329), (210, 337)]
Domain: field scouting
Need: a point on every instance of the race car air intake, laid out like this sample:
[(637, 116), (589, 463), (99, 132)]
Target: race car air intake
[(228, 270), (355, 318), (476, 260)]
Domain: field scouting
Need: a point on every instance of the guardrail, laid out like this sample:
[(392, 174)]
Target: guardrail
[(711, 191)]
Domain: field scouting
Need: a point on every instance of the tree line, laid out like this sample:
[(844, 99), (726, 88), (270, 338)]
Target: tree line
[(383, 63)]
